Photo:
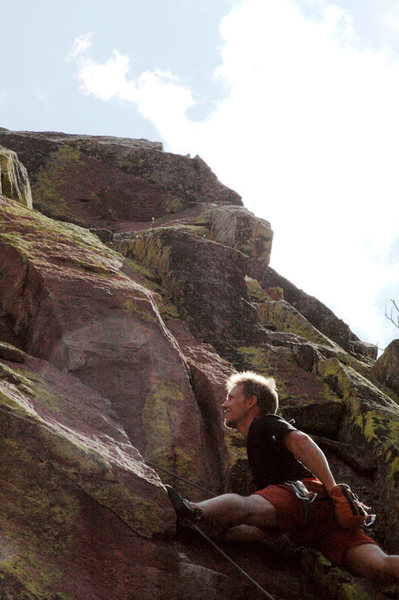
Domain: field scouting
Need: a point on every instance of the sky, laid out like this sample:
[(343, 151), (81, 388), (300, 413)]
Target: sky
[(292, 103)]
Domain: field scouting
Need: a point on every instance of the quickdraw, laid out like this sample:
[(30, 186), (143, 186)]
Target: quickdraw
[(307, 498)]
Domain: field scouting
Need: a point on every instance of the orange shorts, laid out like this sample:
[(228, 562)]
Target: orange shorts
[(323, 531)]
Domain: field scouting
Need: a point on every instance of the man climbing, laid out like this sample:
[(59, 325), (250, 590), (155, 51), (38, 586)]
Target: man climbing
[(297, 493)]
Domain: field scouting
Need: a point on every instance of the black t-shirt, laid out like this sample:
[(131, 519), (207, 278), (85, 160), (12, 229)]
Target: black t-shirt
[(269, 459)]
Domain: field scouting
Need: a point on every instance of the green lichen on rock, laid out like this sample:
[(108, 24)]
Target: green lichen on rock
[(14, 180), (370, 410), (239, 477), (172, 204), (371, 418), (141, 309), (255, 291), (46, 188), (161, 421), (256, 359), (28, 577), (13, 240), (35, 236), (151, 247), (38, 516), (286, 318), (335, 583), (159, 415), (94, 474), (10, 352), (150, 277), (146, 248), (358, 392), (78, 462), (150, 280)]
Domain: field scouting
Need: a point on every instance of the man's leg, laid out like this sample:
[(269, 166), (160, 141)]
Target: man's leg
[(243, 533), (230, 510), (368, 560)]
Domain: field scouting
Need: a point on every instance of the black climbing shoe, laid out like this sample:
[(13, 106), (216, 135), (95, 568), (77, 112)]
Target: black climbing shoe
[(183, 509)]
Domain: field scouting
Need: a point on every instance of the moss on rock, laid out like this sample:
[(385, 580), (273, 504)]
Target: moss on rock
[(14, 180), (286, 318), (255, 292), (371, 419), (335, 583), (46, 188), (76, 460), (161, 421), (35, 236)]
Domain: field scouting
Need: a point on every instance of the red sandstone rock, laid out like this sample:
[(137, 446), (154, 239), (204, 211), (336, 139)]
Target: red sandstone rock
[(128, 357), (238, 228), (103, 183), (204, 279), (76, 310)]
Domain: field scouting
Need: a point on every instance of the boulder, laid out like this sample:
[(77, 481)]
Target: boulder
[(238, 228), (386, 368), (204, 279)]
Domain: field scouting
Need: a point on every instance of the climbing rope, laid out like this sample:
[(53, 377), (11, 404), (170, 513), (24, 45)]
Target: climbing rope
[(205, 536), (191, 525), (194, 485), (231, 561)]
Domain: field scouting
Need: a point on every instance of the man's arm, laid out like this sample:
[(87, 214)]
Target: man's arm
[(310, 455), (349, 512)]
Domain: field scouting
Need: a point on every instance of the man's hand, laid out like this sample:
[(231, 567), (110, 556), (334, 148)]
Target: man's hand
[(349, 511)]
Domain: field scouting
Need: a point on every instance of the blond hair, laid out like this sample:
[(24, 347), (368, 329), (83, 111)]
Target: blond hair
[(264, 388)]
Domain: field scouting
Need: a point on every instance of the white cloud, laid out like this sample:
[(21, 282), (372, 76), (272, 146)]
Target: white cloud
[(307, 134), (391, 20), (79, 47), (158, 94)]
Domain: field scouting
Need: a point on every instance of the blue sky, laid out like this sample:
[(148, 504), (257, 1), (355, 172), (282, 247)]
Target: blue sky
[(293, 103)]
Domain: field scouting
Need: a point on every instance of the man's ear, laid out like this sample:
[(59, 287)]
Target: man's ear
[(252, 401)]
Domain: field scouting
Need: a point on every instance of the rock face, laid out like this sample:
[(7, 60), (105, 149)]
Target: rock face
[(386, 368), (14, 180), (129, 292), (319, 315)]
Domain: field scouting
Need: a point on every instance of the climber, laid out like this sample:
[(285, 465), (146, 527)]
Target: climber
[(297, 493)]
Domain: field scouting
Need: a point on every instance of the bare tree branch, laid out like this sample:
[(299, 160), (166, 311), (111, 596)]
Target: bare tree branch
[(394, 319)]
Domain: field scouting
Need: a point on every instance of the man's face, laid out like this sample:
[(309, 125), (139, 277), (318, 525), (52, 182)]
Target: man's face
[(235, 407)]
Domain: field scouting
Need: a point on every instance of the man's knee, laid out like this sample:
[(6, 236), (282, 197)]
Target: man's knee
[(261, 512), (368, 560)]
